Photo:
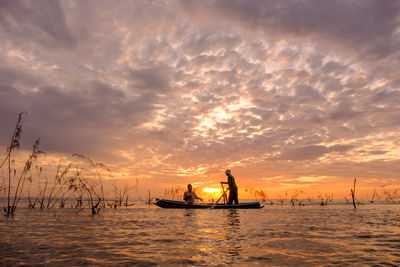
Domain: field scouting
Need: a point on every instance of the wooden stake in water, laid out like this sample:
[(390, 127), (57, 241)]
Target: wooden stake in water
[(353, 193)]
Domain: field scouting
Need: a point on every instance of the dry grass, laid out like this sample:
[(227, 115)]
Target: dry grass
[(81, 181), (16, 183)]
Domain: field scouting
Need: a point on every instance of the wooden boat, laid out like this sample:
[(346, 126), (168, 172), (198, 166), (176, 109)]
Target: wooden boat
[(172, 204)]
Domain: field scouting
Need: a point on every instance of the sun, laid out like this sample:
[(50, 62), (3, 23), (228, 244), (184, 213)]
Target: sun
[(212, 192)]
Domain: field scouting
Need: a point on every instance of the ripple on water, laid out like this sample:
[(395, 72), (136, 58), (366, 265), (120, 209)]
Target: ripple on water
[(146, 236)]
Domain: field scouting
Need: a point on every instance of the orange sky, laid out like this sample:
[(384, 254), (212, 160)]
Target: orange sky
[(290, 96)]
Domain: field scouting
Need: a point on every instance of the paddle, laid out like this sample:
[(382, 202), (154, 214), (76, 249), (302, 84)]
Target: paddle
[(223, 195)]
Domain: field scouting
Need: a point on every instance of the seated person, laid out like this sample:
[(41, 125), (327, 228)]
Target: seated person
[(190, 196)]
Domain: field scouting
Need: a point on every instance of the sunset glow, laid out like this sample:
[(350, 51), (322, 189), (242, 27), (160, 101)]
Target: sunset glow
[(212, 190)]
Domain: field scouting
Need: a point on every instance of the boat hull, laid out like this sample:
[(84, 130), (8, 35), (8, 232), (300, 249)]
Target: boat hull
[(171, 204)]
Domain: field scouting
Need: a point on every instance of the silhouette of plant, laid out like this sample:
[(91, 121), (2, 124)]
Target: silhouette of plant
[(12, 202)]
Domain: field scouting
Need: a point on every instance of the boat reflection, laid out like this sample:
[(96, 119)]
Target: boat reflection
[(215, 234), (233, 247), (190, 223), (189, 212), (233, 219)]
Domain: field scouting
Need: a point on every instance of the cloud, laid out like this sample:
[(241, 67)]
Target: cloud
[(311, 152), (159, 89), (359, 26), (42, 22)]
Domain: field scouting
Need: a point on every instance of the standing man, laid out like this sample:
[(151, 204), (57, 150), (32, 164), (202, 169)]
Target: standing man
[(233, 190), (190, 196)]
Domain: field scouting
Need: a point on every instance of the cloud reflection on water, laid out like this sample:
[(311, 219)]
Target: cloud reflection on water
[(143, 235)]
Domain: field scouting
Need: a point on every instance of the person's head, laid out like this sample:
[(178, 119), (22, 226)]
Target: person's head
[(228, 172), (189, 186)]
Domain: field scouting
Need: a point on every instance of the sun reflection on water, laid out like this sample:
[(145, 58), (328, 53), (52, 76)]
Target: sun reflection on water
[(144, 235)]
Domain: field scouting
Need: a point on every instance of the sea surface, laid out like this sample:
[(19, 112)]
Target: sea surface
[(143, 235)]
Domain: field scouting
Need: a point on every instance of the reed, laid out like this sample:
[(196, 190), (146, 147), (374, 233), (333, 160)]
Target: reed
[(15, 144), (126, 192), (96, 166), (80, 183), (374, 195), (174, 192), (391, 196), (65, 185), (149, 200), (282, 199), (259, 194), (42, 192), (14, 197), (23, 177), (294, 198), (121, 196), (32, 203), (325, 199), (57, 190)]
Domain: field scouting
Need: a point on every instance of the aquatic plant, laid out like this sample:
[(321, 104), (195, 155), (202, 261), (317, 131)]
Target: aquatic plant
[(149, 198), (96, 166), (31, 204), (15, 143), (93, 196), (87, 185), (294, 197), (51, 193), (259, 194), (57, 189), (127, 189), (12, 201), (282, 199), (83, 185), (325, 198), (42, 192), (391, 196), (121, 196), (373, 197), (174, 192)]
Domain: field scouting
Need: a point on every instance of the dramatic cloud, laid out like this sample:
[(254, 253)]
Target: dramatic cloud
[(293, 94)]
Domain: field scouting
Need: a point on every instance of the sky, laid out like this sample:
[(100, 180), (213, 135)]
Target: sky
[(289, 95)]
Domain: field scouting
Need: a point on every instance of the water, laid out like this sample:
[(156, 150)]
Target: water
[(147, 235)]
